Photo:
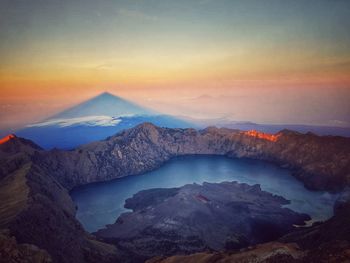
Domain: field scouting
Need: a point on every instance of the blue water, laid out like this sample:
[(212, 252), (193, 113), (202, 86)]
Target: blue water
[(101, 203)]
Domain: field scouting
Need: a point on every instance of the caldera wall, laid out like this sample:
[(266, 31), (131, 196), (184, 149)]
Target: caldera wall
[(322, 163)]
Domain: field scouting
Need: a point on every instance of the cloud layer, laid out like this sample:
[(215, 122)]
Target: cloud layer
[(84, 121)]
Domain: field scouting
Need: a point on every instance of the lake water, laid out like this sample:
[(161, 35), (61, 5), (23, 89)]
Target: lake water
[(101, 203)]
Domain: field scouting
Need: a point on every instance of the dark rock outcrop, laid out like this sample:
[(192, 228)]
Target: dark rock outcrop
[(328, 241), (38, 215), (196, 218), (15, 152), (12, 252), (272, 252), (322, 242)]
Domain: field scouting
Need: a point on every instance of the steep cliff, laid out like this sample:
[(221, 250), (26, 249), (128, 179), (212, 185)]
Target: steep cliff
[(322, 163)]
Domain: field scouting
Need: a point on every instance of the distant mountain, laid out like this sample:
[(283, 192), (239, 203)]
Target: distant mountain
[(107, 114), (273, 128), (95, 119), (269, 128), (105, 104)]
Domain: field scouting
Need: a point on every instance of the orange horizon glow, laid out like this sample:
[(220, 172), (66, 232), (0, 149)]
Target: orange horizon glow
[(261, 61)]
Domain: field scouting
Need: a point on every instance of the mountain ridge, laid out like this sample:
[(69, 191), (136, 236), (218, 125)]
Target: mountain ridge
[(146, 146)]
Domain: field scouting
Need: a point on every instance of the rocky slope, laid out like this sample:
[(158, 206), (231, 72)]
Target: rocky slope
[(38, 215), (323, 242), (194, 218), (15, 152), (272, 252), (11, 251), (322, 163), (35, 206)]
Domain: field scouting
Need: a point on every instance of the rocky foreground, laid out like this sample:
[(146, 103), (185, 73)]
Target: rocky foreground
[(37, 215), (323, 242), (194, 218)]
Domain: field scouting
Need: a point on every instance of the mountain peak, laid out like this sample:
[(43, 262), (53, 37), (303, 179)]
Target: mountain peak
[(146, 126), (106, 94), (104, 104), (288, 132), (12, 143), (7, 138)]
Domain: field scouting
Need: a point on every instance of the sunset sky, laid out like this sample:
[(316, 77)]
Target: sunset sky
[(266, 61)]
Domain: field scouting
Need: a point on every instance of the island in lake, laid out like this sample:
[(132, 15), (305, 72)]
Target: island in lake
[(194, 218)]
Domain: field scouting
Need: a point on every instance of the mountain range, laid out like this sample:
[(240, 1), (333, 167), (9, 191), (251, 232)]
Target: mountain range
[(269, 128)]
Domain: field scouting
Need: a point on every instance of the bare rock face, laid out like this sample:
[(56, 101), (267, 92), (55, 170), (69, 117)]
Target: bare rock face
[(322, 163), (195, 218)]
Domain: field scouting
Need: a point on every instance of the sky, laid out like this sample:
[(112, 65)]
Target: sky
[(266, 61)]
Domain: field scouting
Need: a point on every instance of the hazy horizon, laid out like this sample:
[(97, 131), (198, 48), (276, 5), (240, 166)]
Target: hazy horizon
[(191, 108), (261, 61)]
